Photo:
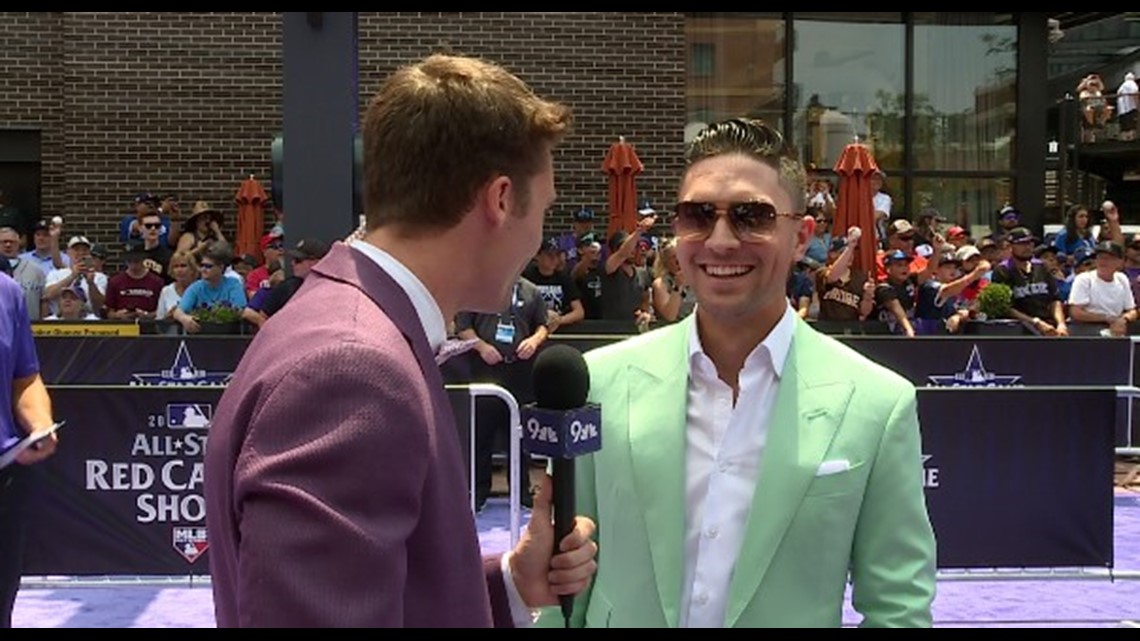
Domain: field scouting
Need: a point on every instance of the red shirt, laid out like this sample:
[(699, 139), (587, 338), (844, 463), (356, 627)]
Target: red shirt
[(125, 292), (256, 279)]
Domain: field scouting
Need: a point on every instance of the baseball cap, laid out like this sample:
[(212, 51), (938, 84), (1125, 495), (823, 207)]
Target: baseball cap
[(987, 243), (949, 258), (967, 252), (1020, 235), (145, 197), (41, 225), (895, 256), (269, 239), (309, 249), (1041, 250), (584, 215), (1009, 212), (900, 227), (931, 214), (1109, 247), (646, 209), (131, 252), (1134, 241), (588, 238), (78, 240), (838, 244), (550, 244), (248, 259), (956, 232), (77, 291), (1083, 255)]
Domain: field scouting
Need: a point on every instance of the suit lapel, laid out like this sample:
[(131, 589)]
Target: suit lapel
[(810, 406), (354, 268), (657, 393)]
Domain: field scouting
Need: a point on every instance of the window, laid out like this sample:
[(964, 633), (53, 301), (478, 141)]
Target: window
[(850, 84), (702, 59), (965, 104), (736, 69)]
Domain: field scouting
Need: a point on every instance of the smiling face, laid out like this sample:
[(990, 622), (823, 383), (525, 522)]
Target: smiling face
[(740, 283)]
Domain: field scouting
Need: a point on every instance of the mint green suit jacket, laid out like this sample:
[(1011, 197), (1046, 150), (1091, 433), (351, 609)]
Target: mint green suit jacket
[(806, 535)]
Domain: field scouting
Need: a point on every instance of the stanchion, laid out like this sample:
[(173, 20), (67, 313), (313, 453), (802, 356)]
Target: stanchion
[(484, 390)]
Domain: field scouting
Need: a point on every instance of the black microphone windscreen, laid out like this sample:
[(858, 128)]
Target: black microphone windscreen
[(561, 378)]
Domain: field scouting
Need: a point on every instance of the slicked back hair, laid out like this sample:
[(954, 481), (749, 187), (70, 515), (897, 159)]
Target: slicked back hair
[(757, 140)]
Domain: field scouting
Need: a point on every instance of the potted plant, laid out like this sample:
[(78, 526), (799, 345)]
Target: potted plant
[(218, 318), (994, 305)]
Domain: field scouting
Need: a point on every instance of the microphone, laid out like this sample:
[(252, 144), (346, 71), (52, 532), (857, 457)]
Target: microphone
[(561, 426)]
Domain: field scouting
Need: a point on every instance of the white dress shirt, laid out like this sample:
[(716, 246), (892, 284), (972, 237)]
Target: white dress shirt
[(723, 447), (435, 327), (428, 311)]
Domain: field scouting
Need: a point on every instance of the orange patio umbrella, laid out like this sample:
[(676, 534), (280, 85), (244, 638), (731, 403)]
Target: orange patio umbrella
[(855, 207), (622, 166), (250, 199)]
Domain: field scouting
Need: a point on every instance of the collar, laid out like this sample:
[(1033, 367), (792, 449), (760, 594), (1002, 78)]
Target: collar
[(428, 311), (774, 347)]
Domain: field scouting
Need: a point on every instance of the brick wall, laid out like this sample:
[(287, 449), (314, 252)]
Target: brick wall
[(188, 102)]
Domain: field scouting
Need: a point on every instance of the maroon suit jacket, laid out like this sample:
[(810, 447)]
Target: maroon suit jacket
[(335, 492)]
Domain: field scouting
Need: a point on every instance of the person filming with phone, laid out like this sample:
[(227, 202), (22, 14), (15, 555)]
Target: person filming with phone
[(82, 272)]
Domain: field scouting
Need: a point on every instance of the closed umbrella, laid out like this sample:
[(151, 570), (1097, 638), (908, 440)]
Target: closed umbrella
[(250, 199), (855, 207), (622, 166)]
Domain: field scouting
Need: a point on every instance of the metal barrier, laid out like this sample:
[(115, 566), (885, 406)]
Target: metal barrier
[(483, 390)]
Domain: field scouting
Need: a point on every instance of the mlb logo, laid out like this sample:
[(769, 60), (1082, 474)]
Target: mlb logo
[(191, 542), (189, 416)]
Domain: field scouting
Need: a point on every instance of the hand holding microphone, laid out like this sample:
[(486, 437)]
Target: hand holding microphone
[(554, 562)]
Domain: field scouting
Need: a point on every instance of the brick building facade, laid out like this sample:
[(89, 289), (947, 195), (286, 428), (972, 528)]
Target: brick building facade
[(189, 102)]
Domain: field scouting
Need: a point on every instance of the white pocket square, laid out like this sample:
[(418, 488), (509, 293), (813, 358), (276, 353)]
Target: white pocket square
[(831, 468)]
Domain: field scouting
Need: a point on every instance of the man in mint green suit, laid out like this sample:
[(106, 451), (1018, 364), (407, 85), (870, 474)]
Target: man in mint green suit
[(750, 466)]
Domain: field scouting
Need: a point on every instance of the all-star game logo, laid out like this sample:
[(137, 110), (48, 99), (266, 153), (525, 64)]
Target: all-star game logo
[(975, 375), (191, 542), (182, 373)]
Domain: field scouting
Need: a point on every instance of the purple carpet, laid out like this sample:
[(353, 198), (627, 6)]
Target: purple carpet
[(1004, 603)]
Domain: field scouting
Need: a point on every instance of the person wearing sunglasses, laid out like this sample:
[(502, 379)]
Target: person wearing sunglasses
[(156, 254), (212, 288), (752, 466)]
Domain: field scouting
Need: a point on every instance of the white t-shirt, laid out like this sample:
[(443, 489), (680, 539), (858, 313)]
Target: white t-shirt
[(59, 275), (1127, 99), (883, 203), (1100, 297), (167, 301)]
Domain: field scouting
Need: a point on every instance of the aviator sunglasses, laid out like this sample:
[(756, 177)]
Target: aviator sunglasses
[(751, 221)]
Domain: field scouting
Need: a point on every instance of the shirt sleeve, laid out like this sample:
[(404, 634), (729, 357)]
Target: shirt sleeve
[(1081, 293), (26, 362), (522, 616), (190, 297), (464, 320)]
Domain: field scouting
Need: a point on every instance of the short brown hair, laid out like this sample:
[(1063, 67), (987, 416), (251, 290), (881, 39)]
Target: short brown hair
[(440, 129), (756, 140)]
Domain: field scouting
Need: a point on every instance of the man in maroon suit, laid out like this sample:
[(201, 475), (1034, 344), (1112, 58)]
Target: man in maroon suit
[(335, 488)]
